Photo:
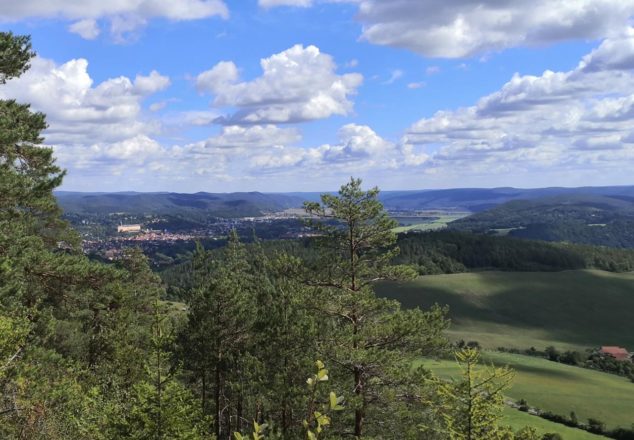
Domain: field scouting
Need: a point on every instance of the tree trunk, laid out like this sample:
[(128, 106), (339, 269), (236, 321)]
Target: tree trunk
[(217, 400), (204, 391), (239, 411)]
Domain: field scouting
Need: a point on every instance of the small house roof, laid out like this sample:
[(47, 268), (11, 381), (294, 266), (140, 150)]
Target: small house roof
[(617, 352)]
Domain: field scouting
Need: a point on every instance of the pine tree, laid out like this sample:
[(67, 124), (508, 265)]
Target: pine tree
[(75, 327), (471, 409), (368, 337), (161, 408), (284, 340), (219, 326)]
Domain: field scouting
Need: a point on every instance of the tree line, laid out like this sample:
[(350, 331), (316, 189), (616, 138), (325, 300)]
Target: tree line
[(446, 252)]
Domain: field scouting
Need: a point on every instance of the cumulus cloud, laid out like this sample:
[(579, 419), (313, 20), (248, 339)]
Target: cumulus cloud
[(465, 28), (616, 53), (154, 82), (359, 147), (79, 112), (101, 129), (257, 136), (557, 120), (298, 84), (124, 15)]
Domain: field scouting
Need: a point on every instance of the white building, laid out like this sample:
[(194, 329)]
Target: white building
[(129, 228)]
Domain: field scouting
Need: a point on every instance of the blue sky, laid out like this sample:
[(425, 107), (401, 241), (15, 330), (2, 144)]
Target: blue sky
[(289, 95)]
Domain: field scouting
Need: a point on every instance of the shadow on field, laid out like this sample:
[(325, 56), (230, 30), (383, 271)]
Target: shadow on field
[(540, 371), (578, 307)]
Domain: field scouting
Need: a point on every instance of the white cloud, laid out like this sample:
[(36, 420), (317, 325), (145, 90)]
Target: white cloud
[(359, 147), (88, 28), (557, 121), (298, 84), (154, 82), (256, 136), (616, 53), (221, 75), (465, 28), (124, 15), (395, 75), (79, 112)]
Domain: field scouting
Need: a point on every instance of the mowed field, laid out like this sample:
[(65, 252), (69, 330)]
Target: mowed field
[(420, 224), (570, 310), (517, 420), (558, 388)]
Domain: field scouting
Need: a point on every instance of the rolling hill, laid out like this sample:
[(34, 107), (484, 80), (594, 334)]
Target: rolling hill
[(574, 309), (211, 204), (481, 199), (578, 218), (254, 203)]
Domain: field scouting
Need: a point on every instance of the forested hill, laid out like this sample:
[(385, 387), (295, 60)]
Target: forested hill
[(589, 219), (481, 199), (246, 204), (255, 203)]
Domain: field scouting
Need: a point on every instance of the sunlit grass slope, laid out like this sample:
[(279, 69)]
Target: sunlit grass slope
[(571, 309), (560, 388), (517, 419)]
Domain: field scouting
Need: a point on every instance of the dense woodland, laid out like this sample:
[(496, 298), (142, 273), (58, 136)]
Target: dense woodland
[(453, 251), (438, 252), (587, 219), (268, 345)]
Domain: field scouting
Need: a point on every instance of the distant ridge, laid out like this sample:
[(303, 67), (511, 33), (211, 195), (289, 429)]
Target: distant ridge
[(255, 203), (588, 218), (240, 204)]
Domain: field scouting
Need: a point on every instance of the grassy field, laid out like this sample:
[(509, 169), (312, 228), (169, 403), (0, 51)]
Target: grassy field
[(517, 419), (561, 388), (570, 310), (431, 225)]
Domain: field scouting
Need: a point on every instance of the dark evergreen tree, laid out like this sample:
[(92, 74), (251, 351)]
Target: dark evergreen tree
[(370, 338)]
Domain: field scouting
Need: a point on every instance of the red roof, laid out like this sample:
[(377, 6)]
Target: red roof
[(616, 352)]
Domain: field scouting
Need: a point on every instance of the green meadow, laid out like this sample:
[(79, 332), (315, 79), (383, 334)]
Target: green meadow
[(431, 225), (570, 310), (518, 419), (559, 388)]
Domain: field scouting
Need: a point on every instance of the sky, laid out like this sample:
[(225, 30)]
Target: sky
[(299, 95)]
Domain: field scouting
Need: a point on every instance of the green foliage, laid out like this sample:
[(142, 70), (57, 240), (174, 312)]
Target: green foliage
[(589, 219), (452, 251), (160, 406), (368, 339), (74, 332), (15, 53), (319, 419), (217, 335), (471, 408), (559, 389)]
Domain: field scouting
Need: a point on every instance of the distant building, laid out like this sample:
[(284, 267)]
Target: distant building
[(129, 228), (618, 353)]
